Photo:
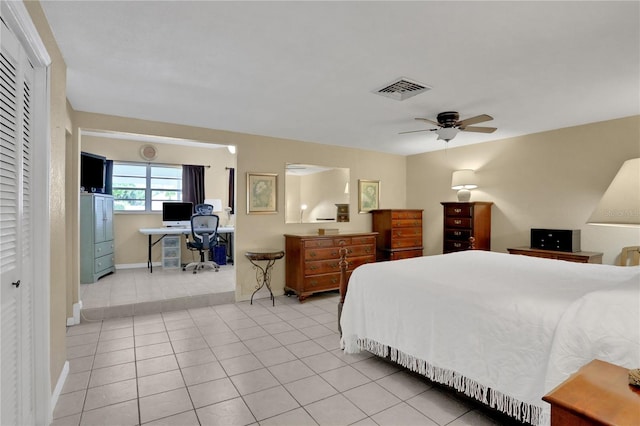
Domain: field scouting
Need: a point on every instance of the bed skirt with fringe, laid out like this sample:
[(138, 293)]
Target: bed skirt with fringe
[(494, 399)]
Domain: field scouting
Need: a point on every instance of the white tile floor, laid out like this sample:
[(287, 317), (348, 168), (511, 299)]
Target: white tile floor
[(242, 364), (136, 291)]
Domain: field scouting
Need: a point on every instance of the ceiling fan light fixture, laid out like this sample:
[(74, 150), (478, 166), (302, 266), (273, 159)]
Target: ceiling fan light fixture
[(447, 133)]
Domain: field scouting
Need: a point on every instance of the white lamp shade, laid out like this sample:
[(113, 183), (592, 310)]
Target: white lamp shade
[(620, 204), (464, 179), (215, 202)]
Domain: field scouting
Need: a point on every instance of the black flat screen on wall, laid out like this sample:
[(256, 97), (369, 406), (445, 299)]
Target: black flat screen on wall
[(92, 172)]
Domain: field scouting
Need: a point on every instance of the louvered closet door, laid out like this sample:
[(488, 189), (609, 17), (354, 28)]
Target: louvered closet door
[(16, 267)]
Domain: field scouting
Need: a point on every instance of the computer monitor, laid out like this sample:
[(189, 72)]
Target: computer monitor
[(176, 213)]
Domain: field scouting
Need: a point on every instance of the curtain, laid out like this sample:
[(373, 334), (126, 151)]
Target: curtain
[(193, 184), (232, 195), (108, 177)]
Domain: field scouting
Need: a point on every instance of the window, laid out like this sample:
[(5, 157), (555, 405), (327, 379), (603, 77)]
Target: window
[(140, 187)]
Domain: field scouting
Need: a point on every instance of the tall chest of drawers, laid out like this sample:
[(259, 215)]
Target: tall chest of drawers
[(399, 233), (312, 262), (463, 221)]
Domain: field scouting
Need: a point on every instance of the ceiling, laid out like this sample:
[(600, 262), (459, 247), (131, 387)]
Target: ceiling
[(307, 70)]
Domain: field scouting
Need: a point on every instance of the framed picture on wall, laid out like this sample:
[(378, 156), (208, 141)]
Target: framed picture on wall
[(262, 191), (368, 195)]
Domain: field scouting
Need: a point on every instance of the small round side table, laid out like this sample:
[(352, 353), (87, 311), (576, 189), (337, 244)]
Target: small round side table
[(263, 272)]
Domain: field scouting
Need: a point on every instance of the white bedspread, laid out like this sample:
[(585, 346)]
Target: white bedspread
[(479, 320)]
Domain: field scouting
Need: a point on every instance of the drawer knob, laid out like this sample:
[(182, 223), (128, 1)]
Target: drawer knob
[(312, 254), (457, 245), (457, 210), (313, 283), (457, 233), (457, 222), (342, 242)]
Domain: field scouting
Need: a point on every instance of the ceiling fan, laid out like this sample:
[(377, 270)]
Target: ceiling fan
[(449, 124)]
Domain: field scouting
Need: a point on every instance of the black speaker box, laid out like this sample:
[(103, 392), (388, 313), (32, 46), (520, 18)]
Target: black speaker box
[(555, 239)]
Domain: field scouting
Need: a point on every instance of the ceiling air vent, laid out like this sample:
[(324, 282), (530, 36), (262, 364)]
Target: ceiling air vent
[(402, 89)]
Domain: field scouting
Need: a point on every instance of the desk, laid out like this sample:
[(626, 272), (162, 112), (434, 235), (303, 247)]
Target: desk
[(225, 232), (263, 274)]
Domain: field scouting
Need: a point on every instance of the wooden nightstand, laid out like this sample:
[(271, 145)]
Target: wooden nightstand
[(576, 256), (597, 394)]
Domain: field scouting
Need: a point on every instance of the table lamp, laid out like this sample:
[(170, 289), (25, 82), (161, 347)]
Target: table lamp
[(463, 181), (215, 202), (620, 204)]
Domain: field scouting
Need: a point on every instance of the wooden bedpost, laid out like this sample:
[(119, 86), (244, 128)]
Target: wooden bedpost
[(344, 265)]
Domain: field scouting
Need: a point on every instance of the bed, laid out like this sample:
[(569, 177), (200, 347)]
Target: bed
[(500, 328)]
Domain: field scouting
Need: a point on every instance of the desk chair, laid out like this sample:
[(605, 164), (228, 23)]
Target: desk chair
[(204, 229), (204, 209)]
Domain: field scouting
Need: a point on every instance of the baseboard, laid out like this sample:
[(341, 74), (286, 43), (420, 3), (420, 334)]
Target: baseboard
[(59, 385), (136, 265), (77, 307)]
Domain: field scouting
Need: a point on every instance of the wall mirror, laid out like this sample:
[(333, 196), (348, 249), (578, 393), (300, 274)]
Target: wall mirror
[(316, 194)]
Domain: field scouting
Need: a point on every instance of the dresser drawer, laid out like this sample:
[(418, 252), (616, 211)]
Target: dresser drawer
[(104, 248), (362, 250), (322, 253), (354, 262), (397, 243), (333, 265), (404, 254), (406, 214), (406, 223), (457, 234), (413, 232), (329, 242), (450, 245), (457, 222), (322, 282), (458, 210), (103, 262), (362, 240), (321, 266)]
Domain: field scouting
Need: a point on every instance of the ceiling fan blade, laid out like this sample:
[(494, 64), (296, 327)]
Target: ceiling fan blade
[(428, 121), (474, 120), (416, 131), (479, 129)]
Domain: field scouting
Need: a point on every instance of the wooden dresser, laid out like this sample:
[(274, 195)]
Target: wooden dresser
[(576, 256), (463, 221), (312, 262), (597, 394), (399, 233)]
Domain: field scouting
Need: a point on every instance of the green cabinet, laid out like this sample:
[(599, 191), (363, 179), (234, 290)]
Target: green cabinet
[(96, 237)]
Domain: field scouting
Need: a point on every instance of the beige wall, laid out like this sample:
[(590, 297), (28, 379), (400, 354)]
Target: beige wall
[(131, 245), (545, 180), (265, 155)]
